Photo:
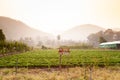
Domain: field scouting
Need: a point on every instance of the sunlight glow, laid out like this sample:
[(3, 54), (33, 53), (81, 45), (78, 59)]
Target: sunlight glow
[(56, 16)]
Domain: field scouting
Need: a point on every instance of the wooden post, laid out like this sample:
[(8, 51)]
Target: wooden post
[(16, 66), (60, 61), (60, 57), (85, 66), (90, 68)]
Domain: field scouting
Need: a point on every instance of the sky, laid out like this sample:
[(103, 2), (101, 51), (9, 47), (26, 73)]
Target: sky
[(56, 16)]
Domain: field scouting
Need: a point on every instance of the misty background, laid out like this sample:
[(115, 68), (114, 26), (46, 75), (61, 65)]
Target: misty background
[(88, 34)]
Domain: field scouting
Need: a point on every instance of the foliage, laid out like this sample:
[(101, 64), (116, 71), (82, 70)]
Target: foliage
[(58, 37), (101, 40), (43, 47), (103, 36), (13, 46), (50, 58), (2, 36)]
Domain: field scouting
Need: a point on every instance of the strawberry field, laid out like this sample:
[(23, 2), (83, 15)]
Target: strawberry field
[(50, 58)]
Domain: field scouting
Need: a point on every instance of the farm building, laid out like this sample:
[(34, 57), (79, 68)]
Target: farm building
[(110, 45)]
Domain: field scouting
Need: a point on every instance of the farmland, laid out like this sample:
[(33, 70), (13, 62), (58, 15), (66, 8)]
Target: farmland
[(44, 65), (50, 58)]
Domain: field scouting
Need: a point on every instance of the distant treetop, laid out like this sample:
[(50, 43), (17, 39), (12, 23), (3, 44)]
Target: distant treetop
[(2, 36)]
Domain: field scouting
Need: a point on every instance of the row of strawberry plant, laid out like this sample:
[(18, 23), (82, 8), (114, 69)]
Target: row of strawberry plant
[(48, 58)]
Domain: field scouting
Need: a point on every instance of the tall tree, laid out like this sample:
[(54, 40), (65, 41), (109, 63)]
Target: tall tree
[(101, 40), (2, 36), (93, 39), (58, 37), (108, 35)]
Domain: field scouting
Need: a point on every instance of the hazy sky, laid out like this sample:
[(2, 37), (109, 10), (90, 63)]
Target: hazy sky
[(55, 16)]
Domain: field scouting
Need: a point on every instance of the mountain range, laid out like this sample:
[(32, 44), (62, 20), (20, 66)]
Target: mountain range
[(15, 29)]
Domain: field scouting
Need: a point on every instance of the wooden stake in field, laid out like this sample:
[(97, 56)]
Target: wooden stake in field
[(90, 69), (16, 66), (60, 57)]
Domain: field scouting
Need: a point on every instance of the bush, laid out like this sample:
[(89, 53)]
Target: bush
[(44, 47), (13, 46)]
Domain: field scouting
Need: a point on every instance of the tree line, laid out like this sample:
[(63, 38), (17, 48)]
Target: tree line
[(11, 46), (103, 36)]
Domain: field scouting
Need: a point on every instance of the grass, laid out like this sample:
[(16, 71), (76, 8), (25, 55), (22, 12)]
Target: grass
[(50, 58), (76, 73)]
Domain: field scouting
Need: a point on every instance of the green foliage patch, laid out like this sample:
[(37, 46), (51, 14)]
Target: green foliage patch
[(50, 58), (12, 46)]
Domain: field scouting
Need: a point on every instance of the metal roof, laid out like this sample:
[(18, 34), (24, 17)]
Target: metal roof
[(114, 42)]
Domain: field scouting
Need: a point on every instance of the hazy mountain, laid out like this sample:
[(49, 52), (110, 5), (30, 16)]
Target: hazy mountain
[(14, 29), (80, 32)]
